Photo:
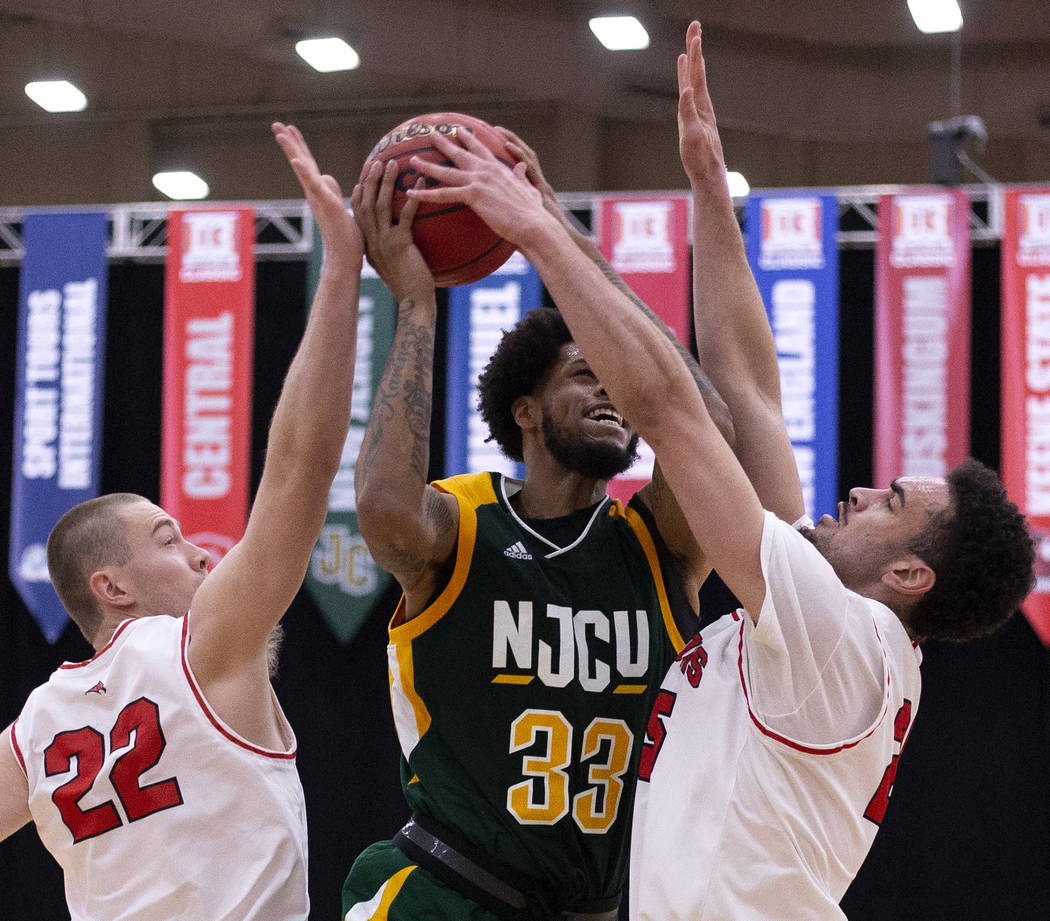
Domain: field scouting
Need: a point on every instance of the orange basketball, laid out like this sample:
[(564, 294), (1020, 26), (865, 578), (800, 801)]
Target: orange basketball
[(458, 245)]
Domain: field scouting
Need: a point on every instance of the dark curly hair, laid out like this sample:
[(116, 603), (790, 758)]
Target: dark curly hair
[(520, 364), (983, 555)]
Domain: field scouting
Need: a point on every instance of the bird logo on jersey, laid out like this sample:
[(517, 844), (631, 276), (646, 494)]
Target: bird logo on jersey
[(99, 688)]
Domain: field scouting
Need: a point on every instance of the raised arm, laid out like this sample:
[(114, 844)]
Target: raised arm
[(733, 337), (692, 564), (409, 527), (239, 604), (639, 367), (525, 154)]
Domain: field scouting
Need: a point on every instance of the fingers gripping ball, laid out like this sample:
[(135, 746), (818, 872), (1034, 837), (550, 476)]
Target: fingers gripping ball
[(458, 246)]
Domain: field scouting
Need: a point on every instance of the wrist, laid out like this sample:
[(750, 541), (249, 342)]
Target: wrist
[(544, 233), (341, 269), (416, 298)]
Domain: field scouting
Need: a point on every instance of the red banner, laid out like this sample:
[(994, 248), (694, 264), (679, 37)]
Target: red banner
[(922, 334), (646, 241), (1025, 392), (208, 333)]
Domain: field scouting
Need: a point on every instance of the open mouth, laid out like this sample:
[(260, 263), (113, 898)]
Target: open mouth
[(606, 414)]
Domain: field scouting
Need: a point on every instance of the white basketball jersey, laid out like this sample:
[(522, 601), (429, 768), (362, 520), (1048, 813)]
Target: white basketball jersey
[(772, 750), (155, 809)]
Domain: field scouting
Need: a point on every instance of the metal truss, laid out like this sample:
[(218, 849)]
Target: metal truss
[(858, 210), (284, 229), (139, 232)]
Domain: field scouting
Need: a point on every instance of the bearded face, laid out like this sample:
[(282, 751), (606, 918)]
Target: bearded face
[(585, 455)]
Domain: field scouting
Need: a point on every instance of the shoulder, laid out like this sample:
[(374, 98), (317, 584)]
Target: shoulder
[(477, 488), (783, 544)]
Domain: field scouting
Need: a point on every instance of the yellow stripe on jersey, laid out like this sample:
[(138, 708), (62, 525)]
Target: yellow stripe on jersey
[(468, 529), (411, 717), (378, 907), (513, 679), (646, 541)]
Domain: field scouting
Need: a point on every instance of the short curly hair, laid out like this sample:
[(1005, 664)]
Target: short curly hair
[(522, 360), (983, 555)]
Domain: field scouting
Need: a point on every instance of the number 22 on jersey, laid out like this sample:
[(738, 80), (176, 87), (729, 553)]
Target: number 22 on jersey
[(137, 726)]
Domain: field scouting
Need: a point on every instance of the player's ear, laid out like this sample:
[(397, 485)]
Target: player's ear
[(526, 412), (910, 576), (108, 588)]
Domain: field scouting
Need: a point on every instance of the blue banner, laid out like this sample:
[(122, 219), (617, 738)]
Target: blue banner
[(478, 315), (793, 251), (58, 394)]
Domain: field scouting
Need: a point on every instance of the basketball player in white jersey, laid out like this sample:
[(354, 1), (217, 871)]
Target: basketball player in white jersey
[(775, 739), (161, 773)]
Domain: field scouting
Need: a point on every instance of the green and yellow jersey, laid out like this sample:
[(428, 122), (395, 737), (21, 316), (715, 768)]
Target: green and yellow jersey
[(522, 691)]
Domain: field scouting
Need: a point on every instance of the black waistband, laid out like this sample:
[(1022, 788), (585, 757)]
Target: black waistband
[(426, 842)]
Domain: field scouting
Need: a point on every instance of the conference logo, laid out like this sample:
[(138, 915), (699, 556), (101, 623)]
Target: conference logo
[(1033, 242), (921, 232), (791, 234), (642, 236), (209, 247)]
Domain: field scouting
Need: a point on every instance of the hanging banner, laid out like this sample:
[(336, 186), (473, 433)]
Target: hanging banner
[(59, 378), (343, 579), (478, 315), (646, 241), (922, 334), (793, 251), (1025, 393), (209, 314)]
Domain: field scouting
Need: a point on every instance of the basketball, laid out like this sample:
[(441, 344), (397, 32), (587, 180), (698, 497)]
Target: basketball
[(458, 246)]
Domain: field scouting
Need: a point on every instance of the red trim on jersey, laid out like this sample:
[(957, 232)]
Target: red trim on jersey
[(17, 750), (212, 718), (123, 625), (798, 746)]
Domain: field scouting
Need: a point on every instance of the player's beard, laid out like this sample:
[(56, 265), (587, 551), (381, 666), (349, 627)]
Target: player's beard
[(602, 460)]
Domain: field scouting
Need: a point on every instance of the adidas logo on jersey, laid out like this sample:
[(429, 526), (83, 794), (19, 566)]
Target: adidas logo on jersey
[(517, 551)]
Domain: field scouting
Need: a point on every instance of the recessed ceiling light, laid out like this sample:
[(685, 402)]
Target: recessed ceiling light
[(56, 95), (738, 185), (327, 54), (936, 15), (620, 33), (181, 185)]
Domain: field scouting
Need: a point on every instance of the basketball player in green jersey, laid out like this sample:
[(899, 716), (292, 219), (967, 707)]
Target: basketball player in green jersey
[(537, 619)]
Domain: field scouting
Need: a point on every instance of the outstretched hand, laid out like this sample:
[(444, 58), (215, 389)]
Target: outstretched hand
[(698, 142), (502, 197), (342, 239), (388, 242), (525, 154)]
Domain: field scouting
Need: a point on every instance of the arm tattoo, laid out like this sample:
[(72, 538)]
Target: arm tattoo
[(405, 393)]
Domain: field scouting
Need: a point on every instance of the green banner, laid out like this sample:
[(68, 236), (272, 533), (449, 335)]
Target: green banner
[(343, 579)]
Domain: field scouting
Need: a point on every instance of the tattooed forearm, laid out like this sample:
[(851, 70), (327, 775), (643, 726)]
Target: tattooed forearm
[(399, 423)]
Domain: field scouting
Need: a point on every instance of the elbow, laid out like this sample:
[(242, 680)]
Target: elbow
[(391, 535), (721, 417), (383, 519), (669, 411), (648, 406)]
